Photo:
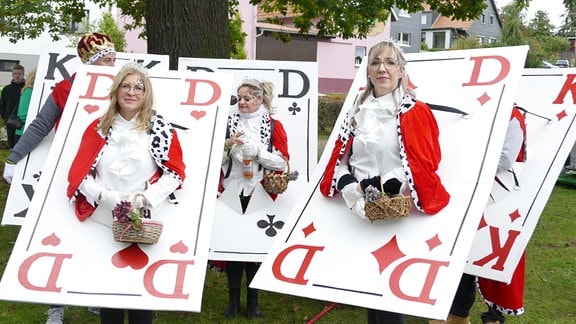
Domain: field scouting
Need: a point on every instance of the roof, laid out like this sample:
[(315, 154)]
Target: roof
[(284, 28), (445, 22), (262, 16)]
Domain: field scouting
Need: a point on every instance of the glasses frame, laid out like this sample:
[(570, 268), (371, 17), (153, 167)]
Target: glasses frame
[(126, 88)]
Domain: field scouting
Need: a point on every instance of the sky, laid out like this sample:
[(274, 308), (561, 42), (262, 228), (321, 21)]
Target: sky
[(554, 8)]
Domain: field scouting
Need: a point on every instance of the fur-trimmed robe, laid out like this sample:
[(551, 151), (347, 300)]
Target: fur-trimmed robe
[(165, 149), (419, 151)]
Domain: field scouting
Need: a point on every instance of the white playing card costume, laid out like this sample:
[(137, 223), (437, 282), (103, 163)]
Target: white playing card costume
[(296, 102), (413, 265)]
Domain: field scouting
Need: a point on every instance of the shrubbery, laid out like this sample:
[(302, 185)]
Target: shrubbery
[(328, 110)]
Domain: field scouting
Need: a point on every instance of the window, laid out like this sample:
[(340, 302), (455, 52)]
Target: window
[(7, 65), (480, 40), (403, 39), (423, 37), (483, 19), (359, 54), (424, 19), (438, 40), (491, 20), (491, 40)]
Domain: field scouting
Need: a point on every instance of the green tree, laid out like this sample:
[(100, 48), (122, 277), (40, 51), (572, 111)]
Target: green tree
[(569, 26), (237, 37), (107, 25), (201, 28), (540, 26)]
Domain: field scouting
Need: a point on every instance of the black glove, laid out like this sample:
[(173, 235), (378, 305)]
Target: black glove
[(392, 186), (374, 182), (345, 180)]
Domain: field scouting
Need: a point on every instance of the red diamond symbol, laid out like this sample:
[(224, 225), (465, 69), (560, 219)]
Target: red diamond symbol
[(514, 215), (309, 229), (387, 254), (484, 98), (561, 114), (433, 242)]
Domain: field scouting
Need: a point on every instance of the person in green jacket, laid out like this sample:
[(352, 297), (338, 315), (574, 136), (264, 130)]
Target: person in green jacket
[(24, 103)]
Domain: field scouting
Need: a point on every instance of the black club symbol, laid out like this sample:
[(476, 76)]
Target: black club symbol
[(294, 108), (37, 176), (271, 225)]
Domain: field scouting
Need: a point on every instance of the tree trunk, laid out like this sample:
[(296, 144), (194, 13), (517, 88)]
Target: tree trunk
[(188, 28)]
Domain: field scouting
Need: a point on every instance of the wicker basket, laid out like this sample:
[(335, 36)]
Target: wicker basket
[(149, 234), (276, 183), (387, 207)]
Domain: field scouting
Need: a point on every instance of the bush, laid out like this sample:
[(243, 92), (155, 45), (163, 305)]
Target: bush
[(328, 110)]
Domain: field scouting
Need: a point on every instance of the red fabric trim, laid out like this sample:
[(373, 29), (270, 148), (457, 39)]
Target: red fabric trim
[(60, 95), (326, 182)]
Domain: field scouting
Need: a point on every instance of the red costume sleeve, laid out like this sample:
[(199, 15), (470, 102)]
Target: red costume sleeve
[(176, 162), (280, 141), (90, 146), (420, 135), (60, 95)]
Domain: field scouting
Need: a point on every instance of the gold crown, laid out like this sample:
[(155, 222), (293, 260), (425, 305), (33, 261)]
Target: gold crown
[(91, 44)]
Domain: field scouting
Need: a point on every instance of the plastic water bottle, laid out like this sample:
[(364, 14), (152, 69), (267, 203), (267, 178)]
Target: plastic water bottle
[(248, 167)]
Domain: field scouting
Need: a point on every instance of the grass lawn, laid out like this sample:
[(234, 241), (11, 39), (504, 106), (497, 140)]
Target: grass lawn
[(550, 295)]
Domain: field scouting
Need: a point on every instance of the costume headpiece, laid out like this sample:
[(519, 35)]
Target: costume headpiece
[(93, 47)]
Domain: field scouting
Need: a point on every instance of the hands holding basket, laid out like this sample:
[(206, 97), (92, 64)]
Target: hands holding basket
[(361, 197)]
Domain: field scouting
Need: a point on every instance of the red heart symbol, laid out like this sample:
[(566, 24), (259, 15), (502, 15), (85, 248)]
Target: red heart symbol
[(91, 108), (179, 247), (131, 256), (51, 240), (198, 114)]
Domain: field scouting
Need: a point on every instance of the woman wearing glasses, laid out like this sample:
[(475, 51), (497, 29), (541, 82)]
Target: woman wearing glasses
[(129, 154), (254, 140), (387, 138)]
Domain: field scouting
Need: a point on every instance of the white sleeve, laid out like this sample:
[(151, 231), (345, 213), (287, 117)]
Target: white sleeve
[(161, 189), (512, 145), (90, 189)]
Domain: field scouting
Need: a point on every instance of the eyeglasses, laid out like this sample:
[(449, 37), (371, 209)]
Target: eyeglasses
[(138, 89), (389, 64)]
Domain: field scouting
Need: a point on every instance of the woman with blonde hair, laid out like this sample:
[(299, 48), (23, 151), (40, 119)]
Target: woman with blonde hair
[(388, 141), (254, 141), (129, 154)]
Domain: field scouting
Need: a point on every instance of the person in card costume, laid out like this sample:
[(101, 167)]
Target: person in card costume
[(254, 141), (387, 138), (500, 297), (95, 49), (131, 154)]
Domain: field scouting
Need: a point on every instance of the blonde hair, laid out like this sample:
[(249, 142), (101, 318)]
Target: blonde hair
[(146, 109), (30, 78), (379, 48), (262, 90)]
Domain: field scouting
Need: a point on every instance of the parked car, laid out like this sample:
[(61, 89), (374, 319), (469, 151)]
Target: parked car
[(549, 65), (562, 63)]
